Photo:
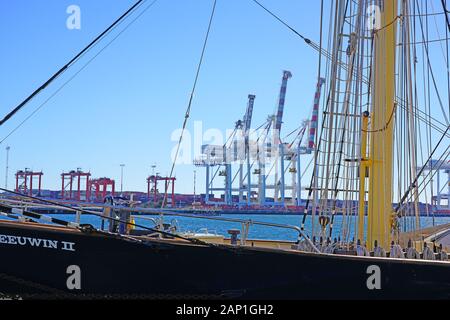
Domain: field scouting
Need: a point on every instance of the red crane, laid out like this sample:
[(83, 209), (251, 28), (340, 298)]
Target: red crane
[(24, 181), (99, 188), (67, 185)]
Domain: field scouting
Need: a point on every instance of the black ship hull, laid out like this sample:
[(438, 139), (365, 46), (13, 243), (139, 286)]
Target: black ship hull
[(38, 261)]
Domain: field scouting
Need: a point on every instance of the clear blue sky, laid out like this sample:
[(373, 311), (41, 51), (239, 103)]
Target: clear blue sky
[(125, 105)]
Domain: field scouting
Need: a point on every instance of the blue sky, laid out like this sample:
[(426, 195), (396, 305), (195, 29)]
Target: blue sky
[(124, 106)]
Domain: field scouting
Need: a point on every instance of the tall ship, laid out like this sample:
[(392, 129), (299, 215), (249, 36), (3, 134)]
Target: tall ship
[(377, 148)]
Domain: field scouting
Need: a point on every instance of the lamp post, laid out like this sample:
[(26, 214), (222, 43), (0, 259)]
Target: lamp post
[(195, 176), (121, 179)]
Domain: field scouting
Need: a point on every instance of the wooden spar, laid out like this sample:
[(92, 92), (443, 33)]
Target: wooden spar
[(381, 130)]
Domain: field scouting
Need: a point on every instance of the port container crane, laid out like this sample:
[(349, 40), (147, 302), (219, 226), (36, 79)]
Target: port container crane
[(295, 161), (24, 182), (245, 182)]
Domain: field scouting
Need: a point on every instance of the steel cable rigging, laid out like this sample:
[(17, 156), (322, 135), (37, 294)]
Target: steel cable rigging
[(328, 55)]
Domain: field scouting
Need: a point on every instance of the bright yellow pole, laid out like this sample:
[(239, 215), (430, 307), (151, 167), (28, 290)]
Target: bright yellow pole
[(381, 139), (362, 175)]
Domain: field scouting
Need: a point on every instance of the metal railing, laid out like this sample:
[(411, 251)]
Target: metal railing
[(245, 224)]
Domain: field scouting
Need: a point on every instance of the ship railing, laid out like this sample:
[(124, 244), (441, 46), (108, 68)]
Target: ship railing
[(245, 223), (36, 205)]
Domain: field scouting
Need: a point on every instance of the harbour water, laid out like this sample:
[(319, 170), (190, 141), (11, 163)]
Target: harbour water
[(256, 231)]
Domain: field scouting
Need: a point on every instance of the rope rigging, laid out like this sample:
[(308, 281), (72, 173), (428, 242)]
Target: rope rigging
[(431, 70), (328, 55), (413, 184), (308, 41)]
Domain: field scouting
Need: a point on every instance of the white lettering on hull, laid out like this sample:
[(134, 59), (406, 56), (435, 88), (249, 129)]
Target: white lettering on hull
[(36, 242)]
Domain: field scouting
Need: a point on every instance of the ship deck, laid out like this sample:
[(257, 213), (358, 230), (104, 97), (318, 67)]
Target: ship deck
[(440, 234)]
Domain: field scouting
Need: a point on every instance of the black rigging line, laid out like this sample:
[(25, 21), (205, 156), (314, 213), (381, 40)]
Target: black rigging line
[(341, 146), (316, 46), (444, 6), (67, 65), (188, 110), (78, 72), (308, 41), (413, 184), (432, 72), (315, 174), (192, 240)]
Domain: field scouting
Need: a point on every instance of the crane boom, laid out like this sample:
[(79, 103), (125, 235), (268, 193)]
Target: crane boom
[(315, 114), (279, 119), (249, 113)]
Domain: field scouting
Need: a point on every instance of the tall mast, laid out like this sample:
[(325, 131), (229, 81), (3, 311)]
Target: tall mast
[(381, 129)]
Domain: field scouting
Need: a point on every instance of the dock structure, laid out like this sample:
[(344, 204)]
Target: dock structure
[(74, 179), (24, 182), (441, 200), (214, 161)]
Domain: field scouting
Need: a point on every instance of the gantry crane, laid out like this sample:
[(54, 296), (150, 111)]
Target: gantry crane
[(222, 157), (296, 149), (291, 153), (245, 181), (267, 149), (271, 149)]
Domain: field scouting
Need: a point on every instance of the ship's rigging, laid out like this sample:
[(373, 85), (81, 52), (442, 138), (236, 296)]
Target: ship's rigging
[(341, 158), (342, 125)]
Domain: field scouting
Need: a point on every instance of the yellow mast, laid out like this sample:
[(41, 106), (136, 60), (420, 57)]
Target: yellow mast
[(381, 130), (364, 165)]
